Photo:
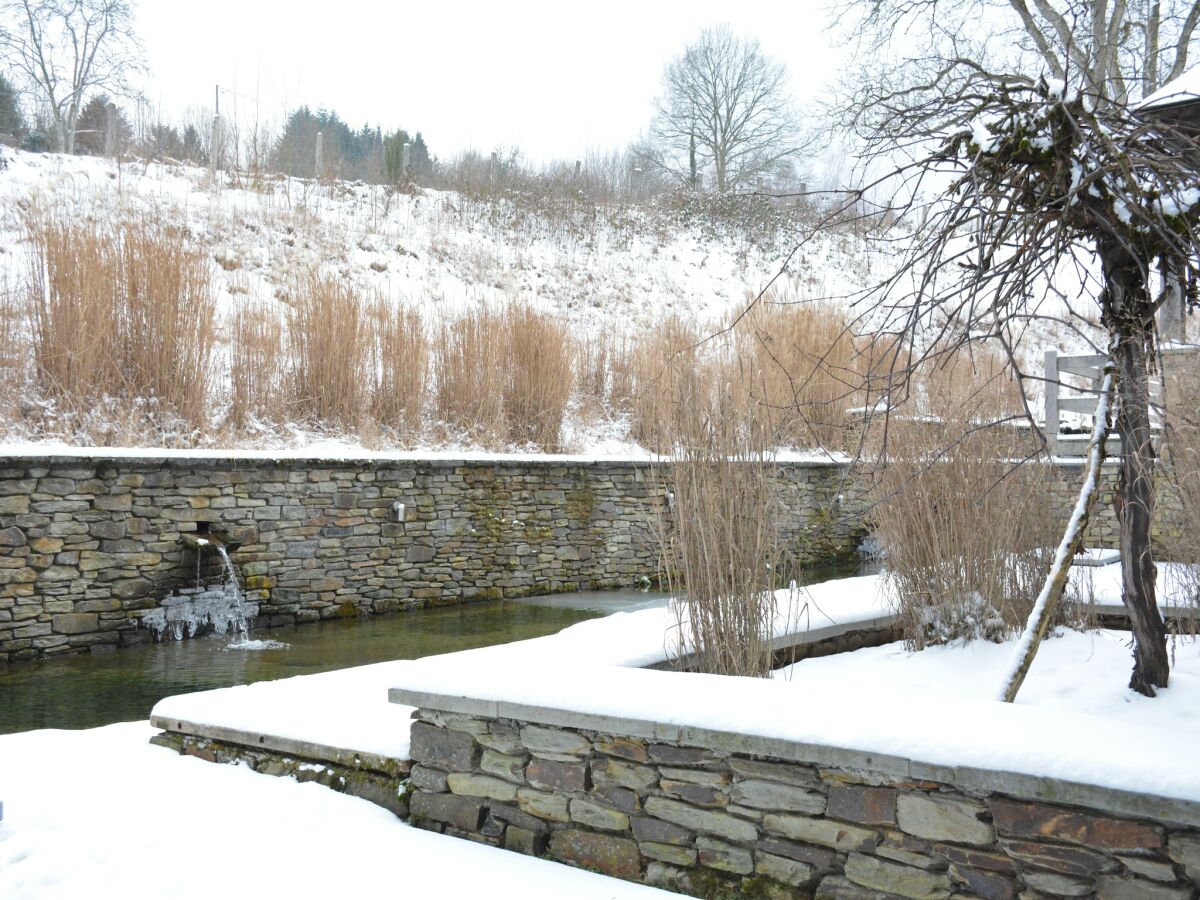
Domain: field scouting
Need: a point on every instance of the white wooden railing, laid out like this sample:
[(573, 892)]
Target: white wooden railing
[(1079, 393)]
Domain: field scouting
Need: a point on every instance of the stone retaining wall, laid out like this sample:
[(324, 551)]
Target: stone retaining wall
[(379, 780), (89, 545), (740, 816)]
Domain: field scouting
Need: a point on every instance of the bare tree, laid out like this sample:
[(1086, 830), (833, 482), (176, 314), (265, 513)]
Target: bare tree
[(1053, 176), (1033, 200), (725, 106), (66, 50), (1116, 52)]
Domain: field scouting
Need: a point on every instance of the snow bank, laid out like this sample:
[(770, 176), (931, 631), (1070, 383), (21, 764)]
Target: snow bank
[(338, 451), (102, 813)]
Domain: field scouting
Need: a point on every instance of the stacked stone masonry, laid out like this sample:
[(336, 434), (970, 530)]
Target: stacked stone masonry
[(380, 780), (713, 823), (88, 546)]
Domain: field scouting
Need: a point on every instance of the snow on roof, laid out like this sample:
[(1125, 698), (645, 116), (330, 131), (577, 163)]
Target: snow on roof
[(1180, 90)]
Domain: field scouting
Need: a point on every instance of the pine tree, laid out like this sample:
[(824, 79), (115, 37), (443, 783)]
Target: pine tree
[(12, 123), (420, 160), (393, 156)]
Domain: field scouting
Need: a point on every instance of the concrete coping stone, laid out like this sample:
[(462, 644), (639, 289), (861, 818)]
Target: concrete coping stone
[(184, 458), (1014, 784), (802, 638), (354, 759)]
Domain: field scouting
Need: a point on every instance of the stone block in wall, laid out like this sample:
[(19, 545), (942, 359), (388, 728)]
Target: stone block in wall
[(463, 813), (940, 818), (75, 623), (767, 795), (1184, 849), (894, 878), (1039, 820), (443, 749), (712, 822), (862, 804), (783, 869), (611, 855), (544, 805), (487, 787), (554, 775), (1057, 858), (822, 832)]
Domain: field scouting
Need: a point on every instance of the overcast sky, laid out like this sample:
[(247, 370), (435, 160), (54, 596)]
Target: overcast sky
[(554, 79)]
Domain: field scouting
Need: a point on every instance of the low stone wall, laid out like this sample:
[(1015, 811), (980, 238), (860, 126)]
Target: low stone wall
[(382, 781), (89, 545), (713, 814)]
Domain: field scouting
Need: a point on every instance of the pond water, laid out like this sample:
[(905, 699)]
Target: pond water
[(90, 689)]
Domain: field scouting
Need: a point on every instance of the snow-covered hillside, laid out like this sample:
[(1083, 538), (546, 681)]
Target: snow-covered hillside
[(603, 270), (440, 250)]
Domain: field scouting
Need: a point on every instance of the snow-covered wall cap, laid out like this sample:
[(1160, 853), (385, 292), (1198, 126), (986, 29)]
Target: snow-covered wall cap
[(1183, 89)]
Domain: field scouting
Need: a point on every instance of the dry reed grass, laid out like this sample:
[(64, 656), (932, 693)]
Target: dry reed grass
[(504, 376), (399, 367), (468, 370), (123, 313), (670, 378), (326, 352), (256, 348), (801, 370), (122, 317), (14, 350), (539, 377)]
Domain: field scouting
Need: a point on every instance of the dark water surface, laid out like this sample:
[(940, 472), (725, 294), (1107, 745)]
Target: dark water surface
[(90, 689)]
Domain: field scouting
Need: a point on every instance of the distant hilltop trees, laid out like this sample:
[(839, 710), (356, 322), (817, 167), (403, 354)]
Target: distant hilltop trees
[(366, 154)]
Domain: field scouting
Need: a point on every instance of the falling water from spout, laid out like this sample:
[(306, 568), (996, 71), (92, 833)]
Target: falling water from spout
[(238, 617), (224, 608)]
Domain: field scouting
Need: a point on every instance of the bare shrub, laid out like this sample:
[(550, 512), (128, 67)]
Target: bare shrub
[(121, 311), (964, 529), (326, 351), (399, 366), (256, 348), (721, 546)]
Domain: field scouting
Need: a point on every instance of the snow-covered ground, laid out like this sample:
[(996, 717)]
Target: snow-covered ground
[(1075, 719), (103, 814), (333, 450)]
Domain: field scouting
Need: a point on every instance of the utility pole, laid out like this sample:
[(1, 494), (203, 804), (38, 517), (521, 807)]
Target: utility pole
[(214, 153), (320, 141), (110, 131)]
